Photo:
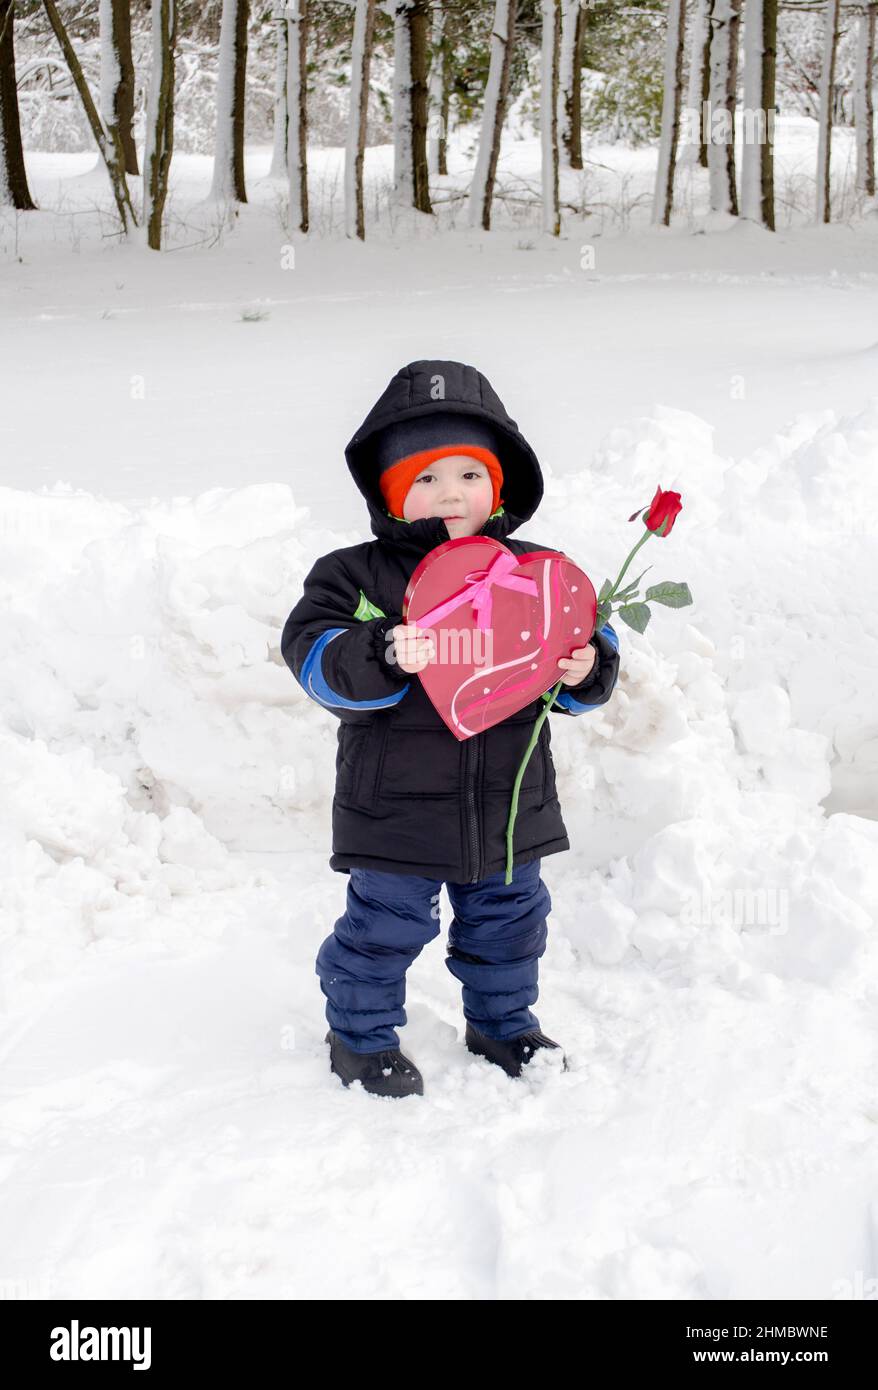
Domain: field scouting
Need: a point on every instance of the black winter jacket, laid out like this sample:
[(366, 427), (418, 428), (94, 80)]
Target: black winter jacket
[(409, 797)]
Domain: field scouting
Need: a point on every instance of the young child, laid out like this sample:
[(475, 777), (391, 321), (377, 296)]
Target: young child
[(437, 457)]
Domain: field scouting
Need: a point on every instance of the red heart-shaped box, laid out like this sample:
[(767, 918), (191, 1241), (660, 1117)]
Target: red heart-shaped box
[(501, 623)]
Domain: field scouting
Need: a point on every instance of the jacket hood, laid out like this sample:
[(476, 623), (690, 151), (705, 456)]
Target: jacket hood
[(428, 387)]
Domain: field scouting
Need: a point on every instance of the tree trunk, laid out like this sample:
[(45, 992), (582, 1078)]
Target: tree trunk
[(436, 92), (757, 165), (570, 81), (865, 116), (576, 102), (411, 186), (109, 148), (403, 177), (446, 96), (117, 77), (419, 29), (14, 191), (494, 114), (361, 53), (672, 100), (550, 51), (824, 140), (698, 93), (228, 165), (724, 19), (297, 111), (278, 167), (159, 142)]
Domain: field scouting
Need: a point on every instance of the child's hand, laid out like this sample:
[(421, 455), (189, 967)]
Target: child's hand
[(577, 666), (414, 647)]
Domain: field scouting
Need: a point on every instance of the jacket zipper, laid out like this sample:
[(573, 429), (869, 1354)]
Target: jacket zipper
[(470, 768)]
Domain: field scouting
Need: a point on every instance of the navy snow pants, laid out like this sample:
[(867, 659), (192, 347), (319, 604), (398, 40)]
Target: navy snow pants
[(494, 942)]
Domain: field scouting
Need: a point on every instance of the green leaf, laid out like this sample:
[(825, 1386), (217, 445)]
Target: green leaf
[(632, 588), (636, 615), (605, 589), (671, 594)]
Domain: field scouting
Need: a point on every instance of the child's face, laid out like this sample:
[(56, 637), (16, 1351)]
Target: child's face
[(457, 488)]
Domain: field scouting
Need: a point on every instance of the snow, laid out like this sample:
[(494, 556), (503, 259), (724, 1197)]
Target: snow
[(171, 469)]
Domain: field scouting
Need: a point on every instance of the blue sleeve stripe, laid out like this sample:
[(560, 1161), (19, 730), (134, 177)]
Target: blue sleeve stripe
[(566, 701), (610, 635), (313, 681)]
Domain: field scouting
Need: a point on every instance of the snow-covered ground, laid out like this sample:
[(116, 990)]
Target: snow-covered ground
[(171, 437)]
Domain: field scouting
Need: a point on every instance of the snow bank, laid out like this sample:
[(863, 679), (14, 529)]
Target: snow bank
[(713, 930), (150, 727)]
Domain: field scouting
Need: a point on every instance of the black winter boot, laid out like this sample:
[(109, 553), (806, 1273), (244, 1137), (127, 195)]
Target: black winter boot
[(386, 1073), (509, 1053)]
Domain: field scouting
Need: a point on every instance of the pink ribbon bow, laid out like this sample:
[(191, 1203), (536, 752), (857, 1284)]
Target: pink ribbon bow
[(478, 590)]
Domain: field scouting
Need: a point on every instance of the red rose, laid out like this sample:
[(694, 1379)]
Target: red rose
[(664, 508)]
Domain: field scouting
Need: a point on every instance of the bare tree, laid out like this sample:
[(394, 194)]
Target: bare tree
[(228, 164), (437, 93), (725, 16), (760, 67), (448, 33), (289, 158), (496, 96), (361, 54), (863, 108), (278, 166), (824, 120), (550, 11), (117, 77), (159, 142), (14, 189), (410, 53), (672, 99), (570, 80), (108, 143), (297, 114), (698, 94)]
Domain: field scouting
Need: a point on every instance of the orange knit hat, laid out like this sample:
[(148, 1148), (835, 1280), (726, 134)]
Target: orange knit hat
[(396, 480)]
